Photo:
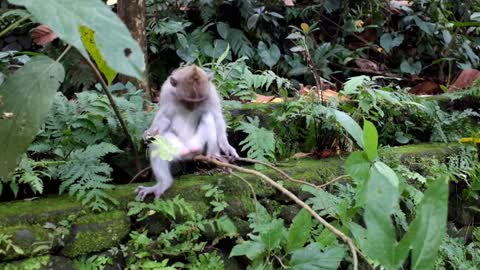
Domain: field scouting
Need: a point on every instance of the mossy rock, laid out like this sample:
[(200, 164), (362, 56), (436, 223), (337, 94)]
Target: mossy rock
[(50, 209), (96, 232), (28, 238), (39, 263)]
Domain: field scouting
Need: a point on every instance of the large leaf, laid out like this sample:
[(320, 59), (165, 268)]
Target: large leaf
[(312, 258), (270, 56), (299, 232), (88, 39), (273, 234), (251, 249), (381, 239), (350, 126), (113, 39), (358, 167), (428, 229), (389, 41), (25, 99), (370, 139)]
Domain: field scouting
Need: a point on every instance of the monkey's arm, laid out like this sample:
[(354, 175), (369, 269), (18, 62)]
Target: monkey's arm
[(222, 139), (160, 123)]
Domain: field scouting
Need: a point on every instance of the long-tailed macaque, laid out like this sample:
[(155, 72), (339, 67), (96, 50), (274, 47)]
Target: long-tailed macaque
[(190, 118)]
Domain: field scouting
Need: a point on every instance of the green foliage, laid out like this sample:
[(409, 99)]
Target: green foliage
[(382, 185), (6, 244), (270, 239), (33, 84), (92, 263), (183, 234), (114, 40), (260, 142), (85, 176)]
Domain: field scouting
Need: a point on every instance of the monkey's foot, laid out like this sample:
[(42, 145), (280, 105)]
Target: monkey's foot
[(142, 191)]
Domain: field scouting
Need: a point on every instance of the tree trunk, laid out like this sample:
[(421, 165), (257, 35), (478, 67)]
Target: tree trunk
[(133, 14)]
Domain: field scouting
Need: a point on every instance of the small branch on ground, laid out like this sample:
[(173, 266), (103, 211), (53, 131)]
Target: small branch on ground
[(292, 196), (332, 181), (139, 173)]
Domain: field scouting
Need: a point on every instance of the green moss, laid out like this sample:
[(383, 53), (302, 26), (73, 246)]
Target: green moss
[(96, 232), (36, 263), (50, 209), (39, 263)]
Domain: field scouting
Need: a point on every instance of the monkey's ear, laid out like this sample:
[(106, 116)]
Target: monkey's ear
[(173, 81)]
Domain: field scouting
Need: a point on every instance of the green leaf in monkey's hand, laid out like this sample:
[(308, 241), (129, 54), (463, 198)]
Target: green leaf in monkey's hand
[(113, 38), (163, 149), (25, 99)]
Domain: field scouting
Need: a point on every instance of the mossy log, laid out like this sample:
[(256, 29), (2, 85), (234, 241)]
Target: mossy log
[(93, 232)]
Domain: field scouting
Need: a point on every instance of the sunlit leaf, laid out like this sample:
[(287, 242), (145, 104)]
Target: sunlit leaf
[(370, 139), (350, 126), (88, 39)]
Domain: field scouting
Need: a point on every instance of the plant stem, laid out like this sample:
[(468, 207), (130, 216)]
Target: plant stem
[(63, 53), (13, 25), (284, 174), (292, 196), (116, 110)]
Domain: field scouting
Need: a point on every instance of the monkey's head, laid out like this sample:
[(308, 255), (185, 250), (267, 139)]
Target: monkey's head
[(191, 83)]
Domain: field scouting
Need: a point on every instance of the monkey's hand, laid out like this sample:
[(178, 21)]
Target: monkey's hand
[(229, 151), (149, 133)]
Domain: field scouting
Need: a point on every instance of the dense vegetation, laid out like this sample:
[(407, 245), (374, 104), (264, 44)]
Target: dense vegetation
[(348, 78)]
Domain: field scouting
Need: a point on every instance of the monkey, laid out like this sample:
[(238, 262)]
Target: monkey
[(190, 118)]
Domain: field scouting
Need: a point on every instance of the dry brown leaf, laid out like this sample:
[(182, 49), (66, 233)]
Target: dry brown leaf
[(366, 64), (301, 155), (42, 35), (466, 78), (426, 88)]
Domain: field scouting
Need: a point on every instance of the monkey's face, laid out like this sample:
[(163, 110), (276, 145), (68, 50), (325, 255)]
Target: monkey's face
[(191, 84)]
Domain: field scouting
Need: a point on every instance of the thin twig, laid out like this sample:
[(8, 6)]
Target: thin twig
[(139, 173), (14, 25), (332, 181), (116, 110), (283, 173), (292, 196), (63, 53), (248, 184)]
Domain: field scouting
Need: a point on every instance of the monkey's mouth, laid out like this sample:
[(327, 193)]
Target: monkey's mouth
[(194, 99)]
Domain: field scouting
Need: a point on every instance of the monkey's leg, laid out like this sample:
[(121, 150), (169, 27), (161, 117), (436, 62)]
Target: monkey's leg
[(205, 135), (161, 170)]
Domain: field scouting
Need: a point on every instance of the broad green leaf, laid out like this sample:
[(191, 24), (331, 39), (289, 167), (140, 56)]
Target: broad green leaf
[(88, 39), (224, 54), (357, 166), (387, 172), (429, 227), (269, 56), (370, 139), (350, 126), (112, 37), (313, 258), (252, 21), (352, 84), (299, 231), (381, 239), (273, 234), (389, 41), (163, 148), (227, 225), (410, 67), (25, 99), (251, 249)]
